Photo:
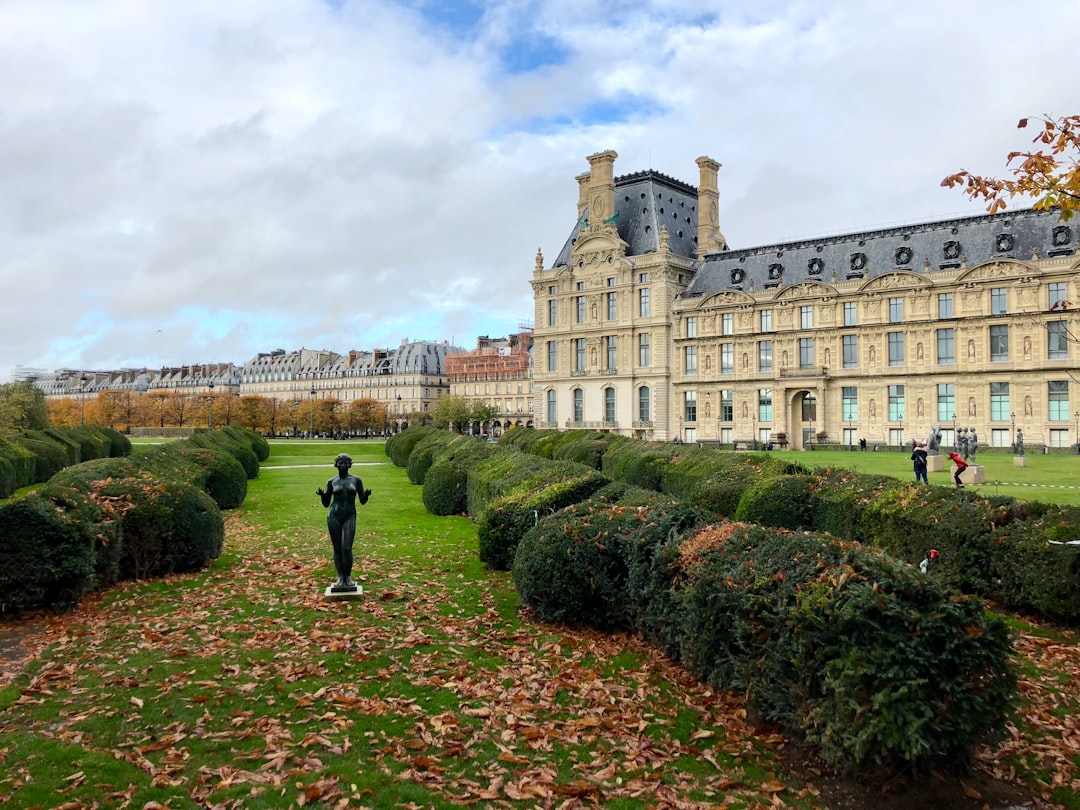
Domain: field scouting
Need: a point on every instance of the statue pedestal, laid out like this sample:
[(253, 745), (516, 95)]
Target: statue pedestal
[(935, 463), (974, 474), (1019, 461), (332, 594)]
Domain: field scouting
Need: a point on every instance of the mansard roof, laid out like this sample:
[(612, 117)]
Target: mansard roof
[(645, 202), (919, 248)]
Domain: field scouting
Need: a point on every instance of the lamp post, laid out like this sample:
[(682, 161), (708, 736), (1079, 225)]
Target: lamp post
[(210, 406), (82, 398), (1077, 415), (1012, 430), (311, 433), (900, 440)]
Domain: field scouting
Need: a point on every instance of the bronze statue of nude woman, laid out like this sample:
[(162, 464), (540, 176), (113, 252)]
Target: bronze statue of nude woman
[(340, 495)]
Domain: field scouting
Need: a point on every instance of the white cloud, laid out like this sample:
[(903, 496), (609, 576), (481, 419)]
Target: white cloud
[(259, 174)]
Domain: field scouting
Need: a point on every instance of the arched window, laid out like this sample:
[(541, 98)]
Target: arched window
[(609, 404), (579, 405), (644, 404), (552, 413)]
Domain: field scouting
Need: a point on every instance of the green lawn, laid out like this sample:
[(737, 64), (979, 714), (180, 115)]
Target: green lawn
[(239, 686)]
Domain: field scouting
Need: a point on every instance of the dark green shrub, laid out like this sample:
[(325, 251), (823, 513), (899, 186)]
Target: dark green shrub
[(1033, 569), (400, 446), (212, 440), (65, 439), (503, 472), (49, 456), (254, 442), (93, 442), (642, 464), (45, 558), (212, 469), (425, 452), (8, 483), (715, 481), (872, 661), (445, 487), (840, 502), (783, 502), (503, 523), (575, 566), (23, 462), (119, 444)]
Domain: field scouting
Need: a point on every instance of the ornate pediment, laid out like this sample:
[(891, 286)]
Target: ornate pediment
[(727, 298), (901, 280), (806, 289), (997, 271), (598, 245)]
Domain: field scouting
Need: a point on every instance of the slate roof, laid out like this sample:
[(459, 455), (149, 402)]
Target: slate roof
[(919, 248), (645, 201)]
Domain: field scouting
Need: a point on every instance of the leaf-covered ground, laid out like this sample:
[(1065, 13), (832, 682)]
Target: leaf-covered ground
[(241, 687)]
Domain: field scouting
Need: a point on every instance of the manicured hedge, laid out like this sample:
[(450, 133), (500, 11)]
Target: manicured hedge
[(871, 660), (214, 440), (783, 502), (250, 438), (21, 463), (400, 446)]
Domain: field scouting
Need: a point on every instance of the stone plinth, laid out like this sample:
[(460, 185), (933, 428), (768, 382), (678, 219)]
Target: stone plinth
[(974, 474), (1019, 461), (333, 594), (935, 463)]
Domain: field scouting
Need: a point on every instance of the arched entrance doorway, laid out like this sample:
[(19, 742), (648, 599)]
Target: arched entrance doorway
[(804, 420)]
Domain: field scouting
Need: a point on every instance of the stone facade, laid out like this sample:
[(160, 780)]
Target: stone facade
[(877, 335), (497, 373)]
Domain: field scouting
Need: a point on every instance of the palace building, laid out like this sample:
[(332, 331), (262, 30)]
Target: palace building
[(648, 324)]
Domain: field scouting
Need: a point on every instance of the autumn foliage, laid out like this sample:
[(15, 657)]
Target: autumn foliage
[(1050, 175)]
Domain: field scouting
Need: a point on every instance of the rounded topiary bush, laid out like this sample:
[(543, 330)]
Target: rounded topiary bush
[(445, 487), (840, 502), (22, 461), (46, 558), (783, 502), (869, 659), (119, 444), (1033, 566), (576, 566), (251, 439), (501, 525), (49, 457), (212, 440), (213, 469), (400, 446)]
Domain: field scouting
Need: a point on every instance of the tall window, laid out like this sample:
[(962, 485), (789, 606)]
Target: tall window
[(946, 402), (553, 312), (727, 358), (691, 326), (896, 403), (612, 306), (609, 405), (764, 355), (806, 352), (851, 313), (999, 402), (999, 343), (580, 302), (579, 405), (579, 354), (1057, 340), (552, 355), (806, 317), (727, 324), (690, 406), (727, 406), (552, 414), (849, 403), (644, 402), (896, 310), (1058, 397), (896, 348), (643, 302), (691, 359), (944, 305), (612, 353), (643, 349), (1055, 293), (999, 301), (764, 402), (765, 319), (946, 346), (850, 347)]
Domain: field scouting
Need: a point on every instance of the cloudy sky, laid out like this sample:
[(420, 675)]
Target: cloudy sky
[(194, 181)]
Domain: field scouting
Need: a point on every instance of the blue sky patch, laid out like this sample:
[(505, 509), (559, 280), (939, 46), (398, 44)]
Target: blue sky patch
[(531, 52)]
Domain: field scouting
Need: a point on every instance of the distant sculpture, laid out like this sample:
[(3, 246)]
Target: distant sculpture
[(933, 441), (973, 444), (340, 495), (1019, 442)]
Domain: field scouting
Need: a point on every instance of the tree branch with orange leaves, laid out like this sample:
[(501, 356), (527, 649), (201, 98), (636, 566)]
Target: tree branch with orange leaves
[(1051, 175)]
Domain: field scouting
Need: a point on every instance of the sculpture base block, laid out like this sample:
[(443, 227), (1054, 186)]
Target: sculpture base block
[(935, 463), (333, 594), (974, 474), (1019, 461)]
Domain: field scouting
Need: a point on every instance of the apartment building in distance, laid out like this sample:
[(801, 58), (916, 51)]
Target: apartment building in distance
[(649, 325), (498, 372)]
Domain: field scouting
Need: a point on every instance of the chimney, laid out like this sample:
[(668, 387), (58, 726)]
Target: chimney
[(583, 195), (710, 240), (602, 186)]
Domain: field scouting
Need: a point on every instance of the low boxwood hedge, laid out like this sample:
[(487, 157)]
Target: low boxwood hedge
[(782, 502), (400, 446)]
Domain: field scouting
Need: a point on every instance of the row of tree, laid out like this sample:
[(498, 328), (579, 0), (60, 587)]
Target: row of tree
[(123, 410)]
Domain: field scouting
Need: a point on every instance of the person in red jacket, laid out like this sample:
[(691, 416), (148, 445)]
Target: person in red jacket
[(961, 465)]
